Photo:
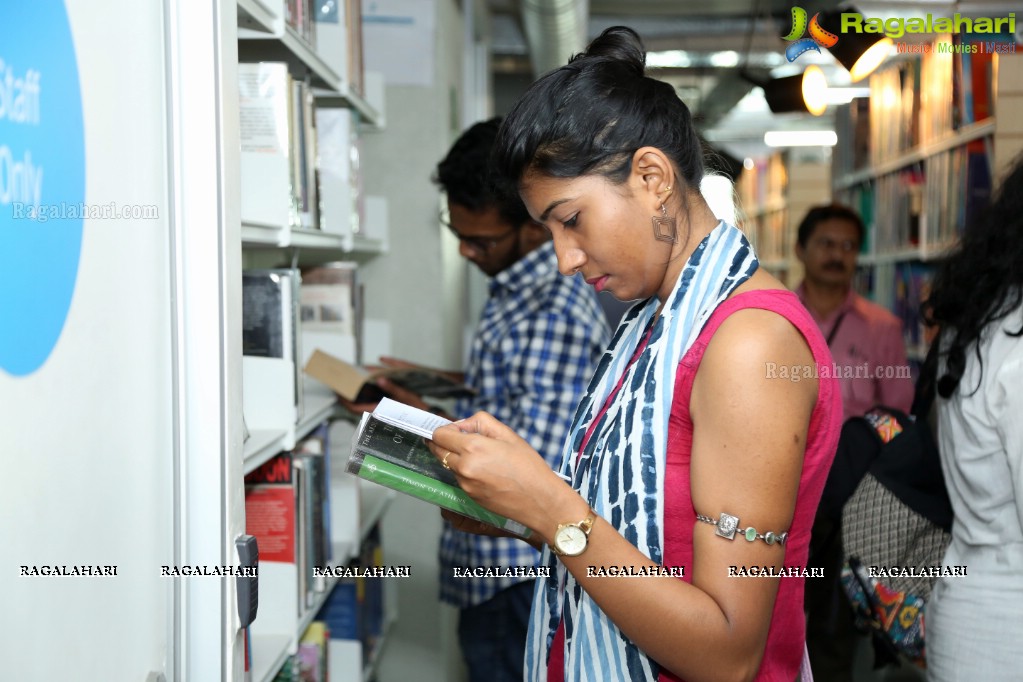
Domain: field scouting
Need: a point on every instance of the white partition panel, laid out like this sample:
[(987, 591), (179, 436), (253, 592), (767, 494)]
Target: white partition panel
[(87, 402), (120, 358)]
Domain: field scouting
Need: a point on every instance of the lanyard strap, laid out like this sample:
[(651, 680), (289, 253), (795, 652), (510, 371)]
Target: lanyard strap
[(834, 328)]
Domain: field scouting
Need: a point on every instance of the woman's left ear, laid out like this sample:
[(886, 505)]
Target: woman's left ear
[(653, 171)]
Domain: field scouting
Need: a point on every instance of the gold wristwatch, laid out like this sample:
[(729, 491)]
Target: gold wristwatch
[(570, 539)]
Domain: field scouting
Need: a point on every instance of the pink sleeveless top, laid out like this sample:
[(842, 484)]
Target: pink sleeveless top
[(785, 641)]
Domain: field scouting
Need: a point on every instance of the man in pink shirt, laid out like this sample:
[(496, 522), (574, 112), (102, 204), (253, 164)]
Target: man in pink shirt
[(870, 362), (865, 339)]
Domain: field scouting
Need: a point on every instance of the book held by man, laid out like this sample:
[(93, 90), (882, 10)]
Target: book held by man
[(358, 384), (389, 448)]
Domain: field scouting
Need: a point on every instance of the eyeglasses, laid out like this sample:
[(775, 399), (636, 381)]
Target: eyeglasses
[(479, 244), (827, 244)]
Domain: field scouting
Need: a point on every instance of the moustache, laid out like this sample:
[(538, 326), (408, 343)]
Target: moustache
[(834, 265)]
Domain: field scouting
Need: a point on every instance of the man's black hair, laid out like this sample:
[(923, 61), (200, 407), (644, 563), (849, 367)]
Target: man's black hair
[(819, 214), (465, 174)]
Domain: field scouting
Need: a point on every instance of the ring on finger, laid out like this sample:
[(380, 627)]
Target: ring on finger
[(444, 462)]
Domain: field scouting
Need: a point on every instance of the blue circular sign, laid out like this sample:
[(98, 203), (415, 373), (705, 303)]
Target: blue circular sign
[(42, 180)]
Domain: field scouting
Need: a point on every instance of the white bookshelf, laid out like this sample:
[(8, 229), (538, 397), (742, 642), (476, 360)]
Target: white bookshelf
[(268, 43), (373, 502), (276, 421), (370, 667), (263, 444), (347, 664), (259, 17), (268, 655), (282, 237)]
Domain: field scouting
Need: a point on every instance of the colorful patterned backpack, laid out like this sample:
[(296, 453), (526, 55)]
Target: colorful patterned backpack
[(895, 529)]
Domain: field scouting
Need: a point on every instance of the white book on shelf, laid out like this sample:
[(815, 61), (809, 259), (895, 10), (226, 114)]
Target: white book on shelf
[(338, 171), (264, 107), (331, 35), (271, 330)]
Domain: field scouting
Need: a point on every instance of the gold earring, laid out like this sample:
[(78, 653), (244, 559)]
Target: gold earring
[(665, 228)]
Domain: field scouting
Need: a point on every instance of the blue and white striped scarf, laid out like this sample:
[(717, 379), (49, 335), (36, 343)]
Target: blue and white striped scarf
[(621, 470)]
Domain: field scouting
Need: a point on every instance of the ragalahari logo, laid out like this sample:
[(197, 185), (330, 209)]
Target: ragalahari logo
[(818, 36)]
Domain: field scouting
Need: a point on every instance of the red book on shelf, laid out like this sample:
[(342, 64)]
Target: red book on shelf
[(980, 73), (270, 509)]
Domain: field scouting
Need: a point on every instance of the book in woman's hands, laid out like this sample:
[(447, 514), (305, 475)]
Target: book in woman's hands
[(389, 448)]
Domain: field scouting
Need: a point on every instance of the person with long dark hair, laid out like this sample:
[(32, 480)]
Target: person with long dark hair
[(973, 622), (698, 454)]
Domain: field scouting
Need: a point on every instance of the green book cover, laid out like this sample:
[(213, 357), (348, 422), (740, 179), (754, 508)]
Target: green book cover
[(398, 459)]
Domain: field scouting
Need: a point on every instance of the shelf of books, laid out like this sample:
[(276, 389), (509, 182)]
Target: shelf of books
[(301, 184), (260, 17), (269, 652), (262, 444), (294, 509), (319, 41), (761, 189), (917, 160), (775, 193), (306, 224), (260, 236), (358, 614)]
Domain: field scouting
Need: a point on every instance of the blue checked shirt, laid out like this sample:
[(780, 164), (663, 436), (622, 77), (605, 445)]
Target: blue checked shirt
[(539, 338)]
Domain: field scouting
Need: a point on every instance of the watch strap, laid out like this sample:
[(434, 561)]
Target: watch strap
[(586, 525)]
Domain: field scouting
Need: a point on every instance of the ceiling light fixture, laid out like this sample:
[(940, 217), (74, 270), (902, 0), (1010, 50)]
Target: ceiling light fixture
[(806, 92), (859, 53)]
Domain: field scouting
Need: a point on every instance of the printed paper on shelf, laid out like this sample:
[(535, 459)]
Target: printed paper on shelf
[(270, 512), (270, 516), (338, 167), (330, 299), (331, 36), (264, 95), (270, 320)]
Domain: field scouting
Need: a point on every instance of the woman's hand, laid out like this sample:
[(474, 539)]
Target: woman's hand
[(498, 469)]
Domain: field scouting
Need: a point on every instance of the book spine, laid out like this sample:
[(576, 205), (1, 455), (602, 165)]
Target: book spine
[(376, 470)]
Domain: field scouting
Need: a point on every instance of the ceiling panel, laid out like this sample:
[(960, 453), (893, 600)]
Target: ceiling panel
[(720, 39)]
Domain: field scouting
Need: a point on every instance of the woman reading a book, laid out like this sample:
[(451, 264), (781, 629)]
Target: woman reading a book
[(705, 436)]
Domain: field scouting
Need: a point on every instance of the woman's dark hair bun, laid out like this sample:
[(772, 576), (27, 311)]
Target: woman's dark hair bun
[(620, 44)]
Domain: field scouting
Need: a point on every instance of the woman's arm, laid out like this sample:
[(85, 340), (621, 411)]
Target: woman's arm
[(749, 437)]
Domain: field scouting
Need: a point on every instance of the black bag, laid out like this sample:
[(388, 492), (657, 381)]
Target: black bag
[(896, 522)]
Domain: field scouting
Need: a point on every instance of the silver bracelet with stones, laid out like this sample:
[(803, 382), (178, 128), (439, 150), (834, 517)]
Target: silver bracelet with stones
[(728, 525)]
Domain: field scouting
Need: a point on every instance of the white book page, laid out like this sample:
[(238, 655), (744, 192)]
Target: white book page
[(419, 422)]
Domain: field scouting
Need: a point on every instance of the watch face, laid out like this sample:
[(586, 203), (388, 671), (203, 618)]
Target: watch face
[(570, 540)]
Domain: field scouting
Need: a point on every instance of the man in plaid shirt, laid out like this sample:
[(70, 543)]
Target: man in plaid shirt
[(539, 338)]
